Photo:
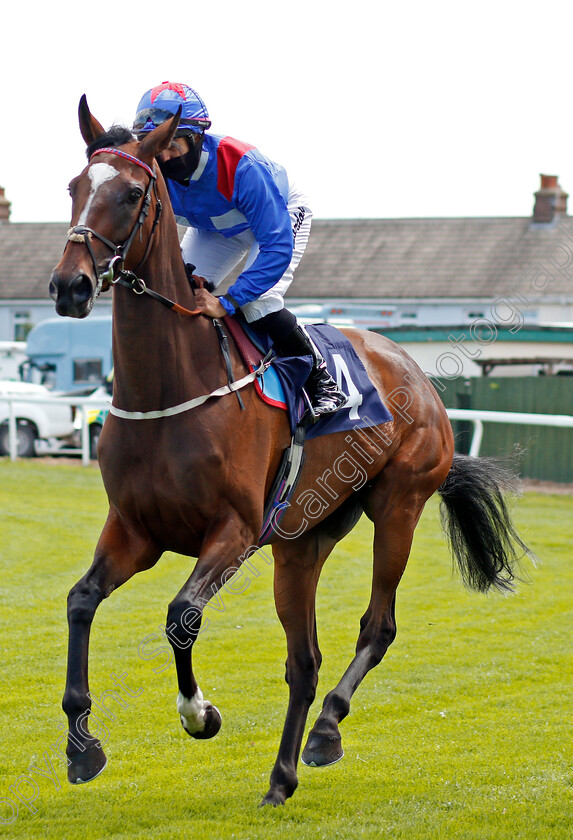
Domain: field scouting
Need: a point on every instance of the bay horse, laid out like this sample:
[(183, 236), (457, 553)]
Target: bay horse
[(194, 475)]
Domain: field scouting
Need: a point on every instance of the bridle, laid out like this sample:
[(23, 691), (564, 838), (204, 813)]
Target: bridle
[(115, 270), (116, 273)]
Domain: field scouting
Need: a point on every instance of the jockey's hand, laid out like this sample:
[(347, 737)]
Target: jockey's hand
[(209, 304)]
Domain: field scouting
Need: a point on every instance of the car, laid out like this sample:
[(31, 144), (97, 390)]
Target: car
[(95, 416), (36, 420)]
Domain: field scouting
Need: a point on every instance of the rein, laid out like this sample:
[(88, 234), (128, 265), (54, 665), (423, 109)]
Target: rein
[(139, 286)]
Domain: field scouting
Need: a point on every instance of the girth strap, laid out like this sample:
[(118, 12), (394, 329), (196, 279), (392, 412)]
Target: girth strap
[(284, 485)]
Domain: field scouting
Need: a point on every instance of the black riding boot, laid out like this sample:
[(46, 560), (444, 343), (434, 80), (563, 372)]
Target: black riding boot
[(290, 339)]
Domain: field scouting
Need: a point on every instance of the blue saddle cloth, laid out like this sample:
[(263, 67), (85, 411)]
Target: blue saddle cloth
[(284, 380)]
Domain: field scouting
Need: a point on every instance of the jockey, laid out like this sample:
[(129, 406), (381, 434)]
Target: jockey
[(237, 203)]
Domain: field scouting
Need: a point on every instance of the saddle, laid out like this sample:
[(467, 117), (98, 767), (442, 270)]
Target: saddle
[(282, 386)]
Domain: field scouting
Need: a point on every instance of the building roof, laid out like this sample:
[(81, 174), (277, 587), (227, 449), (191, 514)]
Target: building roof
[(467, 258), (434, 258), (28, 253)]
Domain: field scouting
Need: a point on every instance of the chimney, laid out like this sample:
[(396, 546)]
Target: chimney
[(4, 207), (550, 200)]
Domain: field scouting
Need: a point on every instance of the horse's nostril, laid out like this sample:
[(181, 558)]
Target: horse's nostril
[(81, 288), (53, 290)]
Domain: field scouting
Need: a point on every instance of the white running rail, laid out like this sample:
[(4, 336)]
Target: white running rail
[(86, 403), (478, 418)]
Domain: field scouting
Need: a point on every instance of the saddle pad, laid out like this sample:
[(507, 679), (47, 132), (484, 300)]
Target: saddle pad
[(270, 389), (282, 383), (364, 407)]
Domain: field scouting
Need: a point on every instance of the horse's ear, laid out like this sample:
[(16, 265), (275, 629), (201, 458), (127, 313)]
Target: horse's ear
[(160, 138), (90, 128)]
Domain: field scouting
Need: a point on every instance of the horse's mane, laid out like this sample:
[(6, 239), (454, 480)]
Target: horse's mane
[(117, 135)]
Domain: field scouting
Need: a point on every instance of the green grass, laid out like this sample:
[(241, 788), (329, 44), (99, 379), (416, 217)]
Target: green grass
[(462, 732)]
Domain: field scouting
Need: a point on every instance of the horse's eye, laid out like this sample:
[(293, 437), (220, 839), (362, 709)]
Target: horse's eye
[(135, 195), (72, 186)]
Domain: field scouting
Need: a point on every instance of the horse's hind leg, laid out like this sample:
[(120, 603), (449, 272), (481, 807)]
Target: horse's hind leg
[(395, 514), (118, 556), (297, 569)]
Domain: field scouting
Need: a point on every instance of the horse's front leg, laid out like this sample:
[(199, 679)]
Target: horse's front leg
[(220, 556), (120, 553)]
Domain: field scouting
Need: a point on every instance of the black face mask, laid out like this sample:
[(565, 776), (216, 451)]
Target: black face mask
[(181, 168)]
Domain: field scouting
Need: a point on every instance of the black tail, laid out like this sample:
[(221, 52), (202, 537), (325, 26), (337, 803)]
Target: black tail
[(478, 523)]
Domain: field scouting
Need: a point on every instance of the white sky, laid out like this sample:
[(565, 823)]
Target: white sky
[(378, 108)]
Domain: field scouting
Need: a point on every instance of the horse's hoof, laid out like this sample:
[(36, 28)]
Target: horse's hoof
[(274, 798), (212, 723), (86, 765), (322, 750)]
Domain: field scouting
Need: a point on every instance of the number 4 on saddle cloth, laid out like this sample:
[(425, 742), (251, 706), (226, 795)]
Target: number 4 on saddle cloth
[(282, 386)]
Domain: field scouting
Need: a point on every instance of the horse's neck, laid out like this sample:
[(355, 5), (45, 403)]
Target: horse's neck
[(161, 358)]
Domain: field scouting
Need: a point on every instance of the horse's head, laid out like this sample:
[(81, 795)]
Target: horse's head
[(114, 207)]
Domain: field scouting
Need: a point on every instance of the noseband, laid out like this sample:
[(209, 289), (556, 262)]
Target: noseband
[(83, 234)]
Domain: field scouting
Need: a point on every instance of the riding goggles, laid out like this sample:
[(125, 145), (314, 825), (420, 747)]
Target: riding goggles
[(149, 118)]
